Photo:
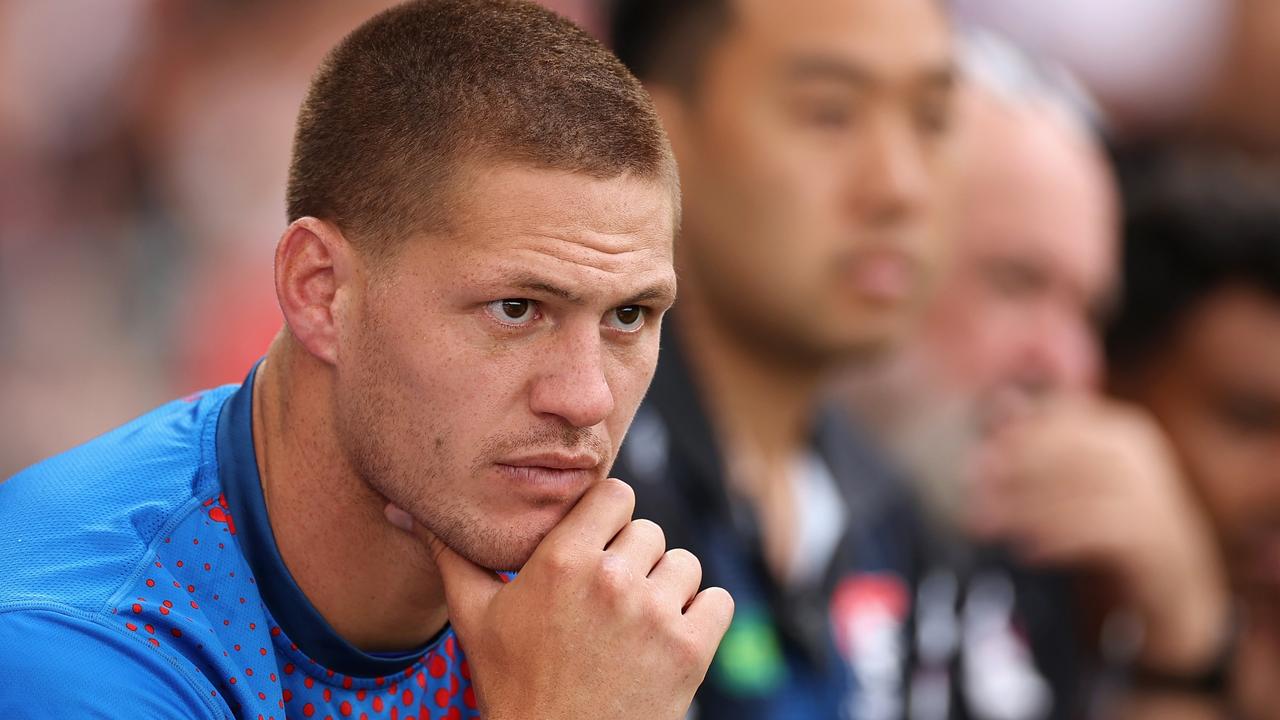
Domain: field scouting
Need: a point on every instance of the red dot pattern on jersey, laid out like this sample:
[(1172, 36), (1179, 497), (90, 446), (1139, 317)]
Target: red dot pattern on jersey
[(433, 687)]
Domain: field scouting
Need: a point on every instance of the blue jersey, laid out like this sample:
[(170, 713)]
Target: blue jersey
[(139, 578)]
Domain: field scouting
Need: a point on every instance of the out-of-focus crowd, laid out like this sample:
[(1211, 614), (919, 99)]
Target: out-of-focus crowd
[(1020, 260)]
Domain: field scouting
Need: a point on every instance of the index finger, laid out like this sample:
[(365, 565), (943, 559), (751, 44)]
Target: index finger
[(602, 511)]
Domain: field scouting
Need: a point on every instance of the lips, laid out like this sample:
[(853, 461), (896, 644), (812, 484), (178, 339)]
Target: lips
[(554, 461), (550, 477), (881, 275)]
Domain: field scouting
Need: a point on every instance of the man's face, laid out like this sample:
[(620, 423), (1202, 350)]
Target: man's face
[(1033, 259), (489, 372), (1032, 245), (809, 152), (1216, 389)]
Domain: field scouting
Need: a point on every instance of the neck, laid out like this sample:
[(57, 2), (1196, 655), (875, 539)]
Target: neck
[(761, 408), (375, 585), (760, 405)]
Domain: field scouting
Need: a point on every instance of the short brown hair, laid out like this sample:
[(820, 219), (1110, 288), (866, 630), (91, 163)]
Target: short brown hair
[(418, 90)]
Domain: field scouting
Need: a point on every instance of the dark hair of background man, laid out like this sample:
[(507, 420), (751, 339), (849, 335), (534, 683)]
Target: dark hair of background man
[(666, 41), (1194, 225)]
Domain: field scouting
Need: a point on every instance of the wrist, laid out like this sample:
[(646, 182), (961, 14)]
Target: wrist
[(1211, 675), (1183, 606)]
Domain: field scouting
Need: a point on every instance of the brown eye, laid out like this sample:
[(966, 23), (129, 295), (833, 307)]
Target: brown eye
[(628, 318), (513, 311)]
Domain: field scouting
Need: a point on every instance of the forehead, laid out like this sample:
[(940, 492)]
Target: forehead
[(514, 217), (1234, 335), (1034, 187), (885, 40)]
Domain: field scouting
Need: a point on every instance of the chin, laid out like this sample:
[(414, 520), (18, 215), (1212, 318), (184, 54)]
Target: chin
[(505, 549)]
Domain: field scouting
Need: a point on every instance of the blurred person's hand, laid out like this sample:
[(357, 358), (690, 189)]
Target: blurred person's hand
[(1093, 484), (1255, 693)]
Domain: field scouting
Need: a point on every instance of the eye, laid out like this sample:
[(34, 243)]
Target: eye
[(933, 119), (829, 116), (513, 311), (628, 318)]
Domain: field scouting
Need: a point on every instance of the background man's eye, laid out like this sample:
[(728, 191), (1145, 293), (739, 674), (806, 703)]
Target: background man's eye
[(627, 318), (513, 311)]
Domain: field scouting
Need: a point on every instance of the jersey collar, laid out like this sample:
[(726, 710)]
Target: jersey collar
[(298, 618)]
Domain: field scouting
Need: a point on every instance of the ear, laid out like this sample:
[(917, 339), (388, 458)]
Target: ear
[(314, 267)]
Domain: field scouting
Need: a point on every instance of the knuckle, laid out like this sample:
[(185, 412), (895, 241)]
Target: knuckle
[(617, 491), (560, 561), (613, 578), (688, 649), (686, 565), (721, 606), (684, 559), (723, 600), (650, 531)]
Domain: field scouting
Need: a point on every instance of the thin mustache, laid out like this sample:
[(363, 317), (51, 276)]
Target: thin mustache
[(567, 440)]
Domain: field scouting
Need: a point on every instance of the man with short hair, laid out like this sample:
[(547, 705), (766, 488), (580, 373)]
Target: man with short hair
[(482, 204), (811, 139)]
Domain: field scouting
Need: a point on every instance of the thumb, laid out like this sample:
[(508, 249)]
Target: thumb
[(468, 587)]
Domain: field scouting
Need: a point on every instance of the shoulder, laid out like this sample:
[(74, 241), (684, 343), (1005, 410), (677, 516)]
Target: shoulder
[(78, 524), (62, 664)]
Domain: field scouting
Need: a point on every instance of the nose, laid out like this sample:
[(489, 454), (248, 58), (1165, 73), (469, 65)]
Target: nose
[(1063, 352), (892, 171), (574, 385)]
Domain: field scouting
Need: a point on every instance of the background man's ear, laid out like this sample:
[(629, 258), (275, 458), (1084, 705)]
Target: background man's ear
[(673, 110), (314, 265)]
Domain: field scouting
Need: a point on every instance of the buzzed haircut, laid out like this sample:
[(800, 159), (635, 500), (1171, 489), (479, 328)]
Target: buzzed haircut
[(666, 41), (1196, 223), (413, 95)]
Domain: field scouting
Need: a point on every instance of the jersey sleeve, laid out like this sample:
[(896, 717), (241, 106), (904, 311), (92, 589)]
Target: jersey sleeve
[(55, 665)]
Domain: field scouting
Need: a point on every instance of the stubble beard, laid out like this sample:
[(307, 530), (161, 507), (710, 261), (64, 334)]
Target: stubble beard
[(418, 479)]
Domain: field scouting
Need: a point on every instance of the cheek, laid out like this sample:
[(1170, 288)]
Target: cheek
[(1232, 472), (775, 186), (630, 372), (976, 333)]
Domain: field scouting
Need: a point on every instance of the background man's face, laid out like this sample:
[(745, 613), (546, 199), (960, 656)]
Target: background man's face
[(1216, 389), (1033, 256), (809, 152), (485, 419)]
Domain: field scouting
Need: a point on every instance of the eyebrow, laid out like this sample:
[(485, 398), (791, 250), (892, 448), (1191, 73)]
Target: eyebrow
[(817, 67), (536, 285), (660, 291)]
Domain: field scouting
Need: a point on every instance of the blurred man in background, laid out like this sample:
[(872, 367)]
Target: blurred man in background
[(1197, 342), (994, 410), (811, 141)]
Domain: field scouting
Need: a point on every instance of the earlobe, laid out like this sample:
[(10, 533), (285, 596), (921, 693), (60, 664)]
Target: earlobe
[(311, 259)]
